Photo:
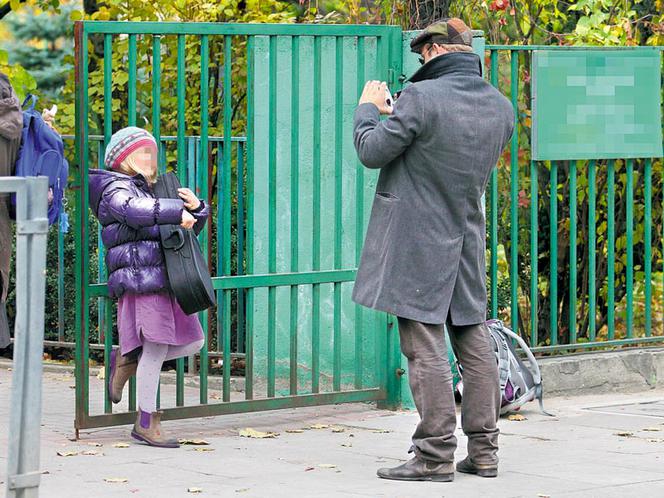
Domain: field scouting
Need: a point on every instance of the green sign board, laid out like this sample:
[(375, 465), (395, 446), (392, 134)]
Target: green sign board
[(597, 104)]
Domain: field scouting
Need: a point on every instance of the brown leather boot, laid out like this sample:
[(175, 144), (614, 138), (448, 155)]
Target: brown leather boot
[(121, 369), (417, 469), (148, 429), (467, 466)]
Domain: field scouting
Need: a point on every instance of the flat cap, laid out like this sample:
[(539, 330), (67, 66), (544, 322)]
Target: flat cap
[(452, 31)]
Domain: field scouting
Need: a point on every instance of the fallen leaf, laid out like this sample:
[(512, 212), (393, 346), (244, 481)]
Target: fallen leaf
[(91, 453), (655, 440), (194, 490), (252, 433), (72, 387), (516, 417), (96, 445), (116, 479), (120, 445), (319, 426), (338, 429), (215, 396), (347, 445), (67, 453), (242, 490), (380, 431), (308, 469), (327, 466), (294, 431), (543, 496), (203, 448), (194, 442), (101, 374), (651, 429), (624, 434)]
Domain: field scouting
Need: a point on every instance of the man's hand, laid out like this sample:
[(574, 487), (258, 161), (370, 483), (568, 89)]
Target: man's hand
[(375, 93), (191, 202)]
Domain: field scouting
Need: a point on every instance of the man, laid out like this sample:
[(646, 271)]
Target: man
[(424, 254), (11, 125)]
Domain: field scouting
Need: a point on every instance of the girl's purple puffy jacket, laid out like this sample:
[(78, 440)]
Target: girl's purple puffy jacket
[(130, 215)]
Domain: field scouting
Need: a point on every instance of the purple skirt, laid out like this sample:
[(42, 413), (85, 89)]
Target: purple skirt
[(155, 318)]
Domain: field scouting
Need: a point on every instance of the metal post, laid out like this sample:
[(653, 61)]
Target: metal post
[(23, 474)]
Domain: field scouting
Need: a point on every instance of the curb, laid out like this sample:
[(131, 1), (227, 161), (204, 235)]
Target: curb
[(214, 382)]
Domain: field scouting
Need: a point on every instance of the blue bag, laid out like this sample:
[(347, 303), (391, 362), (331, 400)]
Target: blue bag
[(42, 154)]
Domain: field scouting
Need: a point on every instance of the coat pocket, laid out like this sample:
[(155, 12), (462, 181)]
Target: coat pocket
[(380, 223)]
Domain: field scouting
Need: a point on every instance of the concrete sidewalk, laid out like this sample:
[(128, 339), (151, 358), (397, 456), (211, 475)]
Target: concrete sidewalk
[(592, 448)]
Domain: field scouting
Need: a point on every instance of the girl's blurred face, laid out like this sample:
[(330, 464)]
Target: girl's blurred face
[(145, 160)]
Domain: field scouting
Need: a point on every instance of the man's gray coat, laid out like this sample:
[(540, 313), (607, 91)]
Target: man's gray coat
[(424, 252)]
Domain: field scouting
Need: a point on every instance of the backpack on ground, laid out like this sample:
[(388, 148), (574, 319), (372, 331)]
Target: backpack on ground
[(42, 154), (520, 383)]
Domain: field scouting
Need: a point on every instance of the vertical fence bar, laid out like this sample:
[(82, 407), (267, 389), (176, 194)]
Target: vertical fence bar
[(225, 201), (105, 314), (23, 474), (203, 168), (647, 242), (82, 253), (338, 193), (611, 249), (295, 211), (493, 200), (249, 339), (156, 96), (629, 278), (359, 223), (240, 218), (572, 251), (219, 220), (61, 284), (181, 95), (315, 336), (272, 220), (533, 252), (592, 248), (182, 176), (553, 254), (108, 345), (514, 192), (131, 90)]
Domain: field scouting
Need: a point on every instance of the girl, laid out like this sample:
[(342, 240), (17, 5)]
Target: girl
[(151, 325)]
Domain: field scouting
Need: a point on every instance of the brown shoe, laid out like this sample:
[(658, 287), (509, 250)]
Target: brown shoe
[(467, 466), (417, 469), (121, 369), (148, 429)]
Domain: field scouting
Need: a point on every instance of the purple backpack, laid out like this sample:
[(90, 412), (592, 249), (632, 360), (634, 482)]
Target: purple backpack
[(42, 154)]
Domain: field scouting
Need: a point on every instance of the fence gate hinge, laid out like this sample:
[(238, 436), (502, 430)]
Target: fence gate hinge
[(27, 480)]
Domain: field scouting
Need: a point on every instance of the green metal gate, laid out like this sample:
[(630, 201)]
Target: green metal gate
[(303, 194)]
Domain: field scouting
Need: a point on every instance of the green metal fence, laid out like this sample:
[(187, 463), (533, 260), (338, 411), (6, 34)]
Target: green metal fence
[(579, 236), (292, 202)]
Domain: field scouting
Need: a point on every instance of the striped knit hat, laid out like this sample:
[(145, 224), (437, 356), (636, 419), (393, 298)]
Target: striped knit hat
[(124, 142)]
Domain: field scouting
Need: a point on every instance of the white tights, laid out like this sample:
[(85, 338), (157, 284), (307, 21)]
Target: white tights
[(149, 368)]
